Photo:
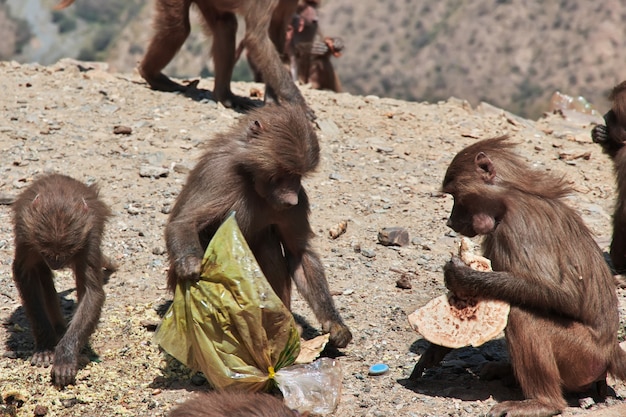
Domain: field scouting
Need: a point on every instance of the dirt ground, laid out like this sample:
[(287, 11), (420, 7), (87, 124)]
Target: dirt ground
[(382, 164)]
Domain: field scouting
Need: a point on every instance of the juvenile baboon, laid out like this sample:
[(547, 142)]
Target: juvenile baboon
[(59, 223), (310, 52), (562, 327), (255, 169)]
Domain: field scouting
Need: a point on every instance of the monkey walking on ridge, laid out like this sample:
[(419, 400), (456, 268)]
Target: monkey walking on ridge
[(266, 23), (306, 53)]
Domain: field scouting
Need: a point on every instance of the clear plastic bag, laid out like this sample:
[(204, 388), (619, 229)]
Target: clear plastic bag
[(314, 387)]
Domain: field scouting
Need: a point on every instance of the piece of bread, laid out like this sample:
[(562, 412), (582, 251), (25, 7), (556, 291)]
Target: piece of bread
[(453, 322)]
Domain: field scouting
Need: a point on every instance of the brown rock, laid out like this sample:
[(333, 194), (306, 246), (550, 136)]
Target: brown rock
[(393, 236), (404, 282), (40, 410), (122, 130)]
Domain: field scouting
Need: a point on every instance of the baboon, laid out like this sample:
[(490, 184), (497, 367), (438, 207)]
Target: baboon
[(233, 404), (266, 22), (309, 51), (611, 137), (59, 223), (255, 169), (562, 327)]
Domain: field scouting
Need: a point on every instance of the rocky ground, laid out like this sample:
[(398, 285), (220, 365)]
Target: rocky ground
[(383, 161)]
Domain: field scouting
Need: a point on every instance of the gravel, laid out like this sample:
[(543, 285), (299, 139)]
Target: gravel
[(382, 164)]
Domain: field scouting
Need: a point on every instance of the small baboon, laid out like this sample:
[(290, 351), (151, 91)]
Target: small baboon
[(255, 169), (59, 223)]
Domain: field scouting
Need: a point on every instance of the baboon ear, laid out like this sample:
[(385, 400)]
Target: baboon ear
[(485, 167), (255, 129)]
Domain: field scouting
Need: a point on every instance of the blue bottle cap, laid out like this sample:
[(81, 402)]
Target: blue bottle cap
[(378, 369)]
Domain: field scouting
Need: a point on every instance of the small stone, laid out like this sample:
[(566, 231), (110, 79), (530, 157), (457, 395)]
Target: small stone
[(149, 325), (404, 282), (181, 168), (153, 171), (40, 410), (122, 130), (393, 236), (328, 128), (6, 199), (69, 402), (384, 149), (334, 176), (368, 253), (133, 209)]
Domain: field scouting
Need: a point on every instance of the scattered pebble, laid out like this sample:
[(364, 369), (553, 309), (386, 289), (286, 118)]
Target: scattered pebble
[(40, 410), (393, 236), (158, 250), (153, 171), (404, 282), (122, 130)]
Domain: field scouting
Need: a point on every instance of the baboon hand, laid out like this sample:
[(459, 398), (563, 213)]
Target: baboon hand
[(600, 134), (188, 267), (340, 335), (64, 370), (455, 271)]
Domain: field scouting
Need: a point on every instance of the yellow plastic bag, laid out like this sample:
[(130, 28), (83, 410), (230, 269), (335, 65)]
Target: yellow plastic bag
[(230, 324)]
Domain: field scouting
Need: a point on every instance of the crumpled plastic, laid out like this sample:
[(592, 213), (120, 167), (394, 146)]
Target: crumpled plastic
[(230, 324), (313, 387)]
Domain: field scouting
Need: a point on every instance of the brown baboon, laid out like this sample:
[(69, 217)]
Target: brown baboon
[(562, 328), (255, 169), (59, 223), (611, 137), (266, 22), (233, 404)]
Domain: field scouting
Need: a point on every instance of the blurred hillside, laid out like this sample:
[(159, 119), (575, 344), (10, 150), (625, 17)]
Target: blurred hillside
[(511, 53)]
